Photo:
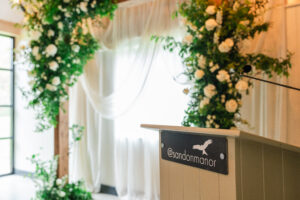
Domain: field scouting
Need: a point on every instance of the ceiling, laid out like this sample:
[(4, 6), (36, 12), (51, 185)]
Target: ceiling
[(9, 14)]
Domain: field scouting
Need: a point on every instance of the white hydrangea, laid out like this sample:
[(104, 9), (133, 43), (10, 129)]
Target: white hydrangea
[(35, 35), (226, 45), (223, 76), (53, 65), (211, 24), (35, 51), (204, 102), (241, 85), (61, 193), (188, 39), (50, 33), (199, 74), (83, 6), (211, 10), (59, 181), (51, 50), (56, 81), (76, 48), (210, 90), (201, 61), (231, 105), (50, 87)]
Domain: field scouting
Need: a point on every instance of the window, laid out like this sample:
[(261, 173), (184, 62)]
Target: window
[(6, 104)]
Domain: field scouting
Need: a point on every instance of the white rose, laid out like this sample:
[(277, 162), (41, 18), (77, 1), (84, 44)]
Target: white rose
[(223, 76), (231, 105), (56, 81), (53, 65), (210, 90), (83, 6), (219, 17), (214, 68), (58, 181), (245, 22), (241, 85), (50, 33), (50, 87), (199, 74), (201, 61), (188, 39), (61, 193), (211, 10), (226, 45), (76, 48), (35, 51), (51, 50), (204, 102), (210, 24), (60, 25), (35, 35), (236, 6)]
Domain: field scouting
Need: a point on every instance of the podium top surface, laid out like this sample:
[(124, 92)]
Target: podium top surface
[(225, 132)]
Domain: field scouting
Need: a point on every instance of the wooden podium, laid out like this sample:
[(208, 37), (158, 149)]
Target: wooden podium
[(218, 164)]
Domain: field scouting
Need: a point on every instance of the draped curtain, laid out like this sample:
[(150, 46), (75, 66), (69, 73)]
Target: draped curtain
[(131, 81)]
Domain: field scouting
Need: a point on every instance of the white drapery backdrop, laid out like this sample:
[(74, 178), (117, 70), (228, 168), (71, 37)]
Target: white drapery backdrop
[(106, 98)]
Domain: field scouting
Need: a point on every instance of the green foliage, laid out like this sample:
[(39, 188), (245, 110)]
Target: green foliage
[(49, 187), (213, 52), (59, 48)]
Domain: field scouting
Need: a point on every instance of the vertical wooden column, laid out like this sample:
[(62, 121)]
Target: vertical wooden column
[(61, 141)]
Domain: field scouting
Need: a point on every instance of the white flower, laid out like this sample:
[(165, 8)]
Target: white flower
[(67, 14), (50, 87), (210, 91), (219, 17), (35, 35), (58, 181), (245, 22), (60, 25), (51, 50), (216, 37), (201, 61), (236, 5), (50, 33), (188, 39), (61, 193), (66, 1), (204, 102), (199, 74), (53, 65), (35, 51), (83, 6), (231, 105), (31, 83), (210, 24), (56, 18), (211, 10), (226, 45), (241, 85), (223, 76), (76, 48), (214, 68), (217, 126), (56, 81)]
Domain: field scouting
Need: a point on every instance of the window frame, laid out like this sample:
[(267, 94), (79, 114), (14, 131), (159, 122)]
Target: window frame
[(12, 106)]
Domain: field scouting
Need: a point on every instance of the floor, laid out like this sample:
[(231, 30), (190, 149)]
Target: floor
[(17, 187)]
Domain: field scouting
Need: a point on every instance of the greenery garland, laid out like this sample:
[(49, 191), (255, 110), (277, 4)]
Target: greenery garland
[(60, 46), (213, 56)]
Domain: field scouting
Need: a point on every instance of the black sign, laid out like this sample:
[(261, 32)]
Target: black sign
[(202, 151)]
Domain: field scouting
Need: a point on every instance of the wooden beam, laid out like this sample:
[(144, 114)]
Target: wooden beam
[(61, 141)]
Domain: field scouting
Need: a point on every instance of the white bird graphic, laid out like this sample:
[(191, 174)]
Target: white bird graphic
[(203, 147)]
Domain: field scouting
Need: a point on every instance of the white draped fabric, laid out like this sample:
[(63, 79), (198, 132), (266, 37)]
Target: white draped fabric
[(129, 83)]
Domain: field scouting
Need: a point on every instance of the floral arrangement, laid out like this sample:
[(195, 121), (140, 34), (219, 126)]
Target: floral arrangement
[(212, 51), (51, 187), (60, 46)]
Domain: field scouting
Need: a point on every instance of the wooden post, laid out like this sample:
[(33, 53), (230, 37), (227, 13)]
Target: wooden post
[(61, 141)]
